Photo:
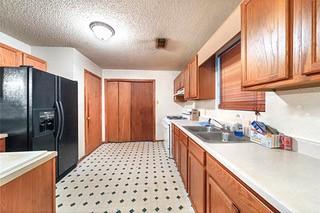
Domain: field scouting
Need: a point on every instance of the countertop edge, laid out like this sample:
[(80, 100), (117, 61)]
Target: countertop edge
[(241, 175), (26, 167), (3, 135)]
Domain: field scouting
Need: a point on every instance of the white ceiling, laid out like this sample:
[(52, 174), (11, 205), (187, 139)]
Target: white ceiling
[(188, 24)]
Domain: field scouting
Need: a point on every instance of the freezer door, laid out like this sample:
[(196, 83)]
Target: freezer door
[(68, 137), (43, 111), (14, 107)]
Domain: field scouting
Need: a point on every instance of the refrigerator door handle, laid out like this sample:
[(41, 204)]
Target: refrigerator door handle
[(62, 120), (59, 118)]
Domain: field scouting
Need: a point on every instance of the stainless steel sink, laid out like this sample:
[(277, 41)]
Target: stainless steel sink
[(194, 129), (214, 135)]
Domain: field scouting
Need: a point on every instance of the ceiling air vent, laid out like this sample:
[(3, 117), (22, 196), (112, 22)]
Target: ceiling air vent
[(161, 43)]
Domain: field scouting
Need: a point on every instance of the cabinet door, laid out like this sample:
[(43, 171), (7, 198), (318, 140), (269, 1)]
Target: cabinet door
[(196, 183), (9, 57), (194, 78), (124, 111), (184, 163), (112, 111), (186, 78), (217, 200), (265, 41), (177, 152), (34, 61), (314, 39)]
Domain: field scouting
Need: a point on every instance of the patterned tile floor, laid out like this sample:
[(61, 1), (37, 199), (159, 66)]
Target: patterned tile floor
[(124, 177)]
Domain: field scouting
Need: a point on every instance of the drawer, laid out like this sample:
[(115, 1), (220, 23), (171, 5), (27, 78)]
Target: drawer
[(183, 138), (243, 196), (197, 151), (176, 130)]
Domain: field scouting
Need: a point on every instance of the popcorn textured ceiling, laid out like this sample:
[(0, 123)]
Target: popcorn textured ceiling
[(188, 24)]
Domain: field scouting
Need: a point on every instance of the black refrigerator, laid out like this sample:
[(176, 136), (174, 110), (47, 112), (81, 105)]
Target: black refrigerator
[(39, 111)]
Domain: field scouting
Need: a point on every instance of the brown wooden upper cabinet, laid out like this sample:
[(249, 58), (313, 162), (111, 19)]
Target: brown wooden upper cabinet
[(34, 61), (194, 78), (12, 57), (280, 44), (198, 81), (9, 56)]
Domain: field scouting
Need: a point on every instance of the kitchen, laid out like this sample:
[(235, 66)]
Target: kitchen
[(86, 99)]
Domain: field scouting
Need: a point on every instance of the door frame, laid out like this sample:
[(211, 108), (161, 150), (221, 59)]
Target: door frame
[(153, 81), (86, 112)]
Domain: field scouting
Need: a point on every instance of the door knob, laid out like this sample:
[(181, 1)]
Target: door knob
[(88, 118)]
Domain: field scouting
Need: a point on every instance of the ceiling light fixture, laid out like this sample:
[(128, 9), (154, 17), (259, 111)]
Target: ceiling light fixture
[(102, 30)]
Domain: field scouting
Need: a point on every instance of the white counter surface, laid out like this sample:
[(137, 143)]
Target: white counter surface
[(2, 135), (15, 164), (287, 180)]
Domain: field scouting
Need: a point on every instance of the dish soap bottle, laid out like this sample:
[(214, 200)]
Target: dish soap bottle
[(238, 127)]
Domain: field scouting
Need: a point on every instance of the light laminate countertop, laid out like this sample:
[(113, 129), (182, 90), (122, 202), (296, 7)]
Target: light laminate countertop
[(287, 180), (2, 135), (15, 164)]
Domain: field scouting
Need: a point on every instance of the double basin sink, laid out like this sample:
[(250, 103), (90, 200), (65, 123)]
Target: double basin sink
[(214, 135)]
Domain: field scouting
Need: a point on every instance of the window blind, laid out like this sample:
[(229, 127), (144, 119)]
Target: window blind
[(233, 97)]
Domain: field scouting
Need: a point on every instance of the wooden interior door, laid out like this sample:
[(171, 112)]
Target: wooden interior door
[(92, 93), (217, 200), (112, 111), (124, 111), (142, 111)]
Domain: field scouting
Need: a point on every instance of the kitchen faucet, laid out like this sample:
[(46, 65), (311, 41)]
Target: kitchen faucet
[(209, 122)]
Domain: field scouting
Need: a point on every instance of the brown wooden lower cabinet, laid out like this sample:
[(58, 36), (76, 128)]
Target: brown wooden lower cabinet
[(196, 177), (234, 194), (34, 191), (211, 187), (2, 145), (183, 138), (217, 200)]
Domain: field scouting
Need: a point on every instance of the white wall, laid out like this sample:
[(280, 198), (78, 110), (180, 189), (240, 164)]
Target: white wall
[(80, 64), (12, 42), (59, 59), (70, 63), (294, 112), (164, 92)]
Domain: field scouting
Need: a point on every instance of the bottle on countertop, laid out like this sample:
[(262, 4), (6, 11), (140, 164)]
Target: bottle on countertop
[(238, 129)]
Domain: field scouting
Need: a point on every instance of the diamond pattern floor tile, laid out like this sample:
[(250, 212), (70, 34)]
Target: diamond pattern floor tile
[(124, 177)]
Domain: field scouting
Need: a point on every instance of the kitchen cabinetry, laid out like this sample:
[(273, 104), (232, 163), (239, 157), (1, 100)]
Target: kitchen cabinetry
[(179, 85), (280, 46), (265, 31), (33, 191), (37, 63), (234, 195), (176, 145), (196, 176), (211, 187), (198, 81), (12, 57), (194, 78), (2, 145), (217, 200), (184, 158), (9, 56)]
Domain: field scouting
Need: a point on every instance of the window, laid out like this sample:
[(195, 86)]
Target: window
[(232, 96)]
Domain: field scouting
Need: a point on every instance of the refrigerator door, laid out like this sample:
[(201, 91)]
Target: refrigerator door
[(44, 119), (68, 137), (14, 107)]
